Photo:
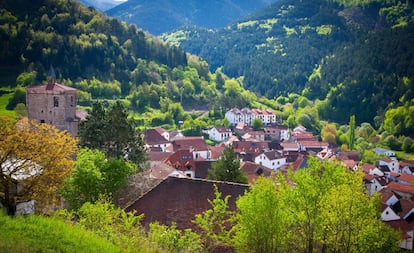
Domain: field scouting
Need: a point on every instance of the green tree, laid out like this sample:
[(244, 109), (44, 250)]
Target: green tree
[(257, 124), (92, 131), (326, 210), (21, 110), (171, 239), (329, 134), (227, 168), (225, 122), (19, 96), (263, 220), (94, 176), (352, 132), (216, 223), (26, 78), (110, 131)]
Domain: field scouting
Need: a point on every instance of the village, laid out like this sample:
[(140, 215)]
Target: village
[(174, 187), (273, 149)]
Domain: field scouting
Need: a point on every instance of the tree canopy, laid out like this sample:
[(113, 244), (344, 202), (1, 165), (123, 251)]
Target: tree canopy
[(35, 159), (94, 177), (110, 131), (227, 168), (325, 210)]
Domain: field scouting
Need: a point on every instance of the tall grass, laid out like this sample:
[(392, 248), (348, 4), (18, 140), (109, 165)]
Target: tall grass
[(41, 234)]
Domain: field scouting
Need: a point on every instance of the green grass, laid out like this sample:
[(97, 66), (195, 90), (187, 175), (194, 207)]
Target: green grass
[(405, 156), (4, 100), (42, 234)]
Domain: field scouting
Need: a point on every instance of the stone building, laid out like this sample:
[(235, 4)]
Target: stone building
[(54, 104)]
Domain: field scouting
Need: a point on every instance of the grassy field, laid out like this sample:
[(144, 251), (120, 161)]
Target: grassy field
[(4, 100), (41, 234)]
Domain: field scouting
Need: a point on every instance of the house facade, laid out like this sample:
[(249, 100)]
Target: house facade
[(271, 159), (54, 104), (219, 134), (392, 164), (246, 115)]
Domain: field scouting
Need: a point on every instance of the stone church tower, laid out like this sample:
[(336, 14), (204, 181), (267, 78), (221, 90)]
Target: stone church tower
[(54, 104)]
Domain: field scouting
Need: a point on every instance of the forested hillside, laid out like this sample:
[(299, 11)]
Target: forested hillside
[(159, 16), (101, 56), (78, 41), (102, 5), (356, 54)]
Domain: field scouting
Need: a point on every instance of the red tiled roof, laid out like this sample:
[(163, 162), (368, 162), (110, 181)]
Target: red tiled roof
[(153, 137), (400, 224), (197, 143), (349, 155), (386, 194), (249, 146), (180, 199), (407, 206), (401, 187), (272, 155), (52, 86), (313, 144), (368, 177), (179, 159), (349, 163), (407, 163), (222, 129), (289, 145), (158, 156), (216, 152), (367, 167), (406, 177), (253, 171)]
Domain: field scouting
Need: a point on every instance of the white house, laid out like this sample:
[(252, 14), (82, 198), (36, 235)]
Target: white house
[(247, 116), (383, 151), (389, 215), (271, 159), (371, 169), (234, 116), (267, 116), (375, 183), (219, 134), (392, 164)]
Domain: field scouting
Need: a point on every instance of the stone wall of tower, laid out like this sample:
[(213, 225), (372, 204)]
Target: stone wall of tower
[(57, 108)]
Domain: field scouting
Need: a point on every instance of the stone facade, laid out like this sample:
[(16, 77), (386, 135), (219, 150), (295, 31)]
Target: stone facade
[(54, 104)]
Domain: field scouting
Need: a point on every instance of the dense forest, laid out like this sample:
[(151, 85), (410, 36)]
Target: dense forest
[(160, 16), (322, 49), (103, 57)]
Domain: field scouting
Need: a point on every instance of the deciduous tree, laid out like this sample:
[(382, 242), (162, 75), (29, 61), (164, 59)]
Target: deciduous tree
[(94, 176), (216, 223), (257, 124), (35, 159)]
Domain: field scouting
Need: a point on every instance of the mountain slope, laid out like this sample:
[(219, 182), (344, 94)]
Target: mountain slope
[(159, 16), (282, 48), (78, 41), (102, 5)]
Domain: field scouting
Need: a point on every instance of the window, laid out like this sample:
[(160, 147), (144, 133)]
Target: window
[(71, 101), (55, 101), (42, 121)]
